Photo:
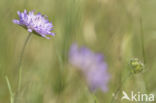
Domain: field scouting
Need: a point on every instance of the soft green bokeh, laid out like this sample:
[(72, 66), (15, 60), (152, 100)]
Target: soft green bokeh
[(111, 27)]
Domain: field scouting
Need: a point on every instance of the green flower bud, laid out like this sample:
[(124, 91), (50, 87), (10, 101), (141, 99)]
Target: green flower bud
[(136, 65)]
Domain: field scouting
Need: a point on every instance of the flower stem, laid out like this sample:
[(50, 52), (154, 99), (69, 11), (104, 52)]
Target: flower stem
[(10, 90), (142, 40), (20, 62), (95, 99), (61, 72), (143, 47)]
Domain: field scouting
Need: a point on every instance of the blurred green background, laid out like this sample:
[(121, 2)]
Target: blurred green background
[(111, 27)]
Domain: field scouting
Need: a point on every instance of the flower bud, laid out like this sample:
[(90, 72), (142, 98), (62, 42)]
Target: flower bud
[(136, 65)]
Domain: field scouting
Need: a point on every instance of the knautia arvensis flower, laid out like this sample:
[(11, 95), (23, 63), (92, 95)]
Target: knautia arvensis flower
[(36, 23), (92, 66), (136, 65)]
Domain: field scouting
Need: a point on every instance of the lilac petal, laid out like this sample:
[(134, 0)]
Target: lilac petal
[(45, 36), (29, 30), (35, 22), (25, 11), (19, 13), (99, 57), (53, 34), (16, 21), (104, 88), (92, 66)]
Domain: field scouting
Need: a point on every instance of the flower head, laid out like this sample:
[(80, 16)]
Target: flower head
[(92, 65), (136, 65), (36, 23)]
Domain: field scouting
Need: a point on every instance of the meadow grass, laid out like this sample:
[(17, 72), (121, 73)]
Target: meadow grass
[(110, 27)]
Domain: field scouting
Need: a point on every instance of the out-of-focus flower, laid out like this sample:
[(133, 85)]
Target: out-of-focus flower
[(136, 65), (36, 23), (92, 65)]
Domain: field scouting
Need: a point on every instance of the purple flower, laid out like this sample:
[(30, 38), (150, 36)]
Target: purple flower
[(36, 23), (92, 65)]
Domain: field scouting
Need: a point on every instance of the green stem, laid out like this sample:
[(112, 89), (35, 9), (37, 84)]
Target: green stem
[(95, 99), (10, 90), (142, 40), (20, 62), (61, 70), (143, 47)]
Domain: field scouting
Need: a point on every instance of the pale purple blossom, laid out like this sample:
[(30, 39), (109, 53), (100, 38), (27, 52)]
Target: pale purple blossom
[(92, 66), (36, 23)]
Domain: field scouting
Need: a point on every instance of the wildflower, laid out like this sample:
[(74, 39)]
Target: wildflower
[(35, 23), (92, 66), (136, 65)]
